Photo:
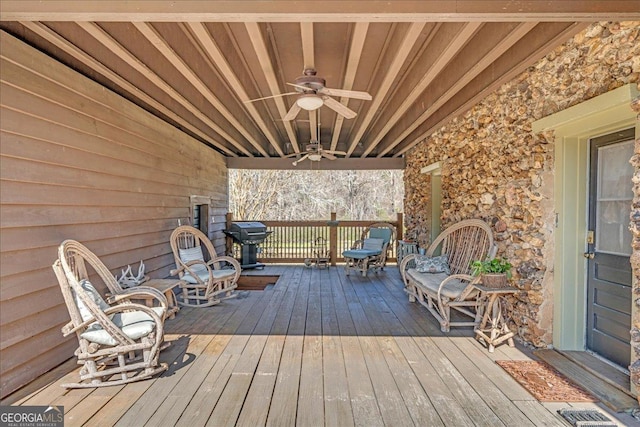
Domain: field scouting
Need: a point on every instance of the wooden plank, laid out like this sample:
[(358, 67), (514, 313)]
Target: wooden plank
[(337, 406), (284, 400), (608, 373), (608, 394), (310, 392), (363, 398), (255, 408), (390, 401), (381, 318)]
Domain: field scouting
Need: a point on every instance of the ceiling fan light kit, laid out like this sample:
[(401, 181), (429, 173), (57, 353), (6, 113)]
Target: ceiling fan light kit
[(313, 94), (309, 102)]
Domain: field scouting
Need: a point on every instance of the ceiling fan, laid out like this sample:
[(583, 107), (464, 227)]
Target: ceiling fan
[(315, 153), (313, 94)]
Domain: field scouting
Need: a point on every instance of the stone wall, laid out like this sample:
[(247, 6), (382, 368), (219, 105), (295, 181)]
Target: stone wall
[(493, 168)]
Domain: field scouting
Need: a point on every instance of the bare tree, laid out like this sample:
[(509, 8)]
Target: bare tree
[(303, 195)]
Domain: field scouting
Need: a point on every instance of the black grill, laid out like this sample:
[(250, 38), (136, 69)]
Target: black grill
[(249, 234)]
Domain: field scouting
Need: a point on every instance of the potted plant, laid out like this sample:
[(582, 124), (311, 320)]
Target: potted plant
[(493, 272)]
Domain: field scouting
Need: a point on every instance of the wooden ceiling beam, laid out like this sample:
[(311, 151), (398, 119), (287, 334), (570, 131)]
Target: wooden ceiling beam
[(212, 50), (260, 48), (355, 53), (64, 45), (103, 37), (450, 45), (409, 39), (319, 11), (308, 56), (506, 68), (152, 35), (474, 64)]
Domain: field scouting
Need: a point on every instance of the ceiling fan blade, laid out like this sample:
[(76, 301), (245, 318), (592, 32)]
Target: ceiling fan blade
[(346, 93), (300, 159), (328, 155), (339, 108), (293, 112), (291, 155), (299, 87), (340, 153), (272, 96)]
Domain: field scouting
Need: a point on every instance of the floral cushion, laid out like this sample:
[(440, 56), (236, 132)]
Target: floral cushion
[(436, 264)]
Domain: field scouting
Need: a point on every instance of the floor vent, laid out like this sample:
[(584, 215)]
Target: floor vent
[(586, 417)]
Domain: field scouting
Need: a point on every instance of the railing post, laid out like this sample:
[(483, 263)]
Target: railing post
[(228, 240), (400, 227), (333, 238)]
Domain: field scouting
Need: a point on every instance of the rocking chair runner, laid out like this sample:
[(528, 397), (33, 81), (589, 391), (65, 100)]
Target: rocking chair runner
[(440, 292), (204, 283), (117, 344), (370, 252)]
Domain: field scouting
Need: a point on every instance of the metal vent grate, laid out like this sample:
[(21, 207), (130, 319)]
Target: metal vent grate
[(586, 418)]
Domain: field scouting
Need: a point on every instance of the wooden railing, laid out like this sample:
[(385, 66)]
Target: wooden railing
[(295, 241)]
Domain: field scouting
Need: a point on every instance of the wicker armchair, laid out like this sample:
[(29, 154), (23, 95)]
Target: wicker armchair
[(371, 251), (440, 292), (117, 344), (204, 282)]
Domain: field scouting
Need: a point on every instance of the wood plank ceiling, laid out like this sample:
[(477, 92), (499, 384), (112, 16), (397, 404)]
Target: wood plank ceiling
[(196, 64)]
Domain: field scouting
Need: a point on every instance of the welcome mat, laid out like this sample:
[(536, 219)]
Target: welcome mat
[(545, 383)]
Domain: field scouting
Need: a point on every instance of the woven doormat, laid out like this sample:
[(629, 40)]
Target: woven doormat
[(545, 383)]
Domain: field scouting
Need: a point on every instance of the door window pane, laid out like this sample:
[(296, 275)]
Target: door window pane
[(614, 196)]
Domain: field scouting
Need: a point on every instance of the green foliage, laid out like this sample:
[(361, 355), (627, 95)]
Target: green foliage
[(495, 265)]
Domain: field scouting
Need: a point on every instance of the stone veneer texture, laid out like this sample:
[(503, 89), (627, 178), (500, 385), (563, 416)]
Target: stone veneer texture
[(493, 168)]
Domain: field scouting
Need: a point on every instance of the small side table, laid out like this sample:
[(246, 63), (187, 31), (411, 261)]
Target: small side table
[(493, 328), (165, 286), (405, 247)]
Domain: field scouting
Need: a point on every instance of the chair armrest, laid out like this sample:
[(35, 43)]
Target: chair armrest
[(141, 292), (357, 244), (463, 277), (404, 265)]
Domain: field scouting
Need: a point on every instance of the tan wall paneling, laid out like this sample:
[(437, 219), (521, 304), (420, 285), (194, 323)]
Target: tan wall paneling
[(80, 162)]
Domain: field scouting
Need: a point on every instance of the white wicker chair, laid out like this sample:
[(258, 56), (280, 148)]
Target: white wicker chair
[(118, 344), (204, 282)]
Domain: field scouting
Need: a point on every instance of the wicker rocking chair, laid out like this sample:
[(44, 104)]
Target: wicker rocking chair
[(371, 251), (440, 292), (118, 344), (77, 257), (204, 282)]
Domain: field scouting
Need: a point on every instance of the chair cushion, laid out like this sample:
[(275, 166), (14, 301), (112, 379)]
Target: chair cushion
[(134, 324), (436, 264), (373, 244), (85, 313), (431, 282), (204, 275), (360, 253), (193, 254), (380, 233)]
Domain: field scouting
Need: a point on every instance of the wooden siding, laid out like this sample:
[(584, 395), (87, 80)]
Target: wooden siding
[(80, 162)]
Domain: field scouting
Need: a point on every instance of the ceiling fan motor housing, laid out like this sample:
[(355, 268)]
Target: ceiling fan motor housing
[(310, 80)]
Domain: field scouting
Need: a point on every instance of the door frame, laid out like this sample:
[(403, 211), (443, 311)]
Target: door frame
[(573, 128)]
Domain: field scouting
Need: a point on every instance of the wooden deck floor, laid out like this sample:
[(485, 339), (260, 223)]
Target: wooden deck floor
[(318, 348)]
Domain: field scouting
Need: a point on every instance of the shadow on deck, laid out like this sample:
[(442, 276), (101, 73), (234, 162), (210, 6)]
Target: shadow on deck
[(318, 348)]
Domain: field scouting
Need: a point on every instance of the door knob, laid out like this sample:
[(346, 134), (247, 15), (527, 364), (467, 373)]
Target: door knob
[(589, 255)]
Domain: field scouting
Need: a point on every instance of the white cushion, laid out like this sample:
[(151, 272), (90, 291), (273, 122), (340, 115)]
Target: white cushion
[(134, 324), (431, 282), (88, 288), (204, 275), (193, 254)]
